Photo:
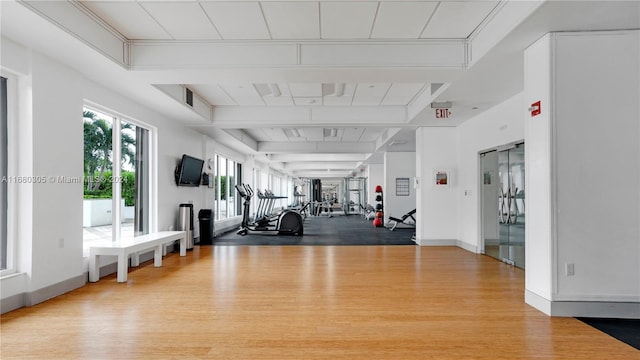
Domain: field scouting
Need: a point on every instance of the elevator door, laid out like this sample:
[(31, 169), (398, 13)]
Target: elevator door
[(503, 208)]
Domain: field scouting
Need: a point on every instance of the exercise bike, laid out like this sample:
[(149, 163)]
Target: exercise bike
[(288, 222)]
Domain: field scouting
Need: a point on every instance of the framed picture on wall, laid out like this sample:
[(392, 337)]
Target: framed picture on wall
[(441, 178)]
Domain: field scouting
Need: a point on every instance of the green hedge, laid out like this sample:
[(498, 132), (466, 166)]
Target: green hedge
[(105, 190)]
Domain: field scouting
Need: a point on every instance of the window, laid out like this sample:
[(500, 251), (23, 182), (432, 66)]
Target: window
[(228, 173), (125, 182), (4, 173)]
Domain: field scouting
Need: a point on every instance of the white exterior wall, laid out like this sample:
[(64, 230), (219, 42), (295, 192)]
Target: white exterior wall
[(585, 173)]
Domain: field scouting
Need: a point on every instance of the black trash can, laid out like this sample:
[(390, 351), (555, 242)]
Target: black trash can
[(206, 226)]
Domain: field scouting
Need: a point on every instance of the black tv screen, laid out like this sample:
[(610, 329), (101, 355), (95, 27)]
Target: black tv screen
[(189, 171)]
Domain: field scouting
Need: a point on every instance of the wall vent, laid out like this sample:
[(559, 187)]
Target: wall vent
[(188, 97)]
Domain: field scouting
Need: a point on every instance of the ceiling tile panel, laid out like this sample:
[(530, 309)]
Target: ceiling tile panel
[(257, 134), (457, 19), (347, 20), (237, 20), (182, 20), (275, 134), (129, 18), (331, 99), (401, 93), (292, 20), (314, 134), (402, 20), (213, 94), (308, 101), (275, 94), (352, 134), (282, 100), (305, 89), (370, 94), (244, 95), (371, 134)]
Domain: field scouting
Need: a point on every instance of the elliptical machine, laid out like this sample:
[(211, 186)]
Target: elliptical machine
[(288, 222)]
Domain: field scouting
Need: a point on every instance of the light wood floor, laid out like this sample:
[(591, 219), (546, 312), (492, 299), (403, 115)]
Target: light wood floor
[(398, 302)]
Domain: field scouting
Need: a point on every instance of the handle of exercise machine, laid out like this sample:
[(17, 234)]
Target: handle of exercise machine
[(248, 188)]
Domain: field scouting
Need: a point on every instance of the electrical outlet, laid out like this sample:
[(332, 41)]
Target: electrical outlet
[(61, 243), (569, 269)]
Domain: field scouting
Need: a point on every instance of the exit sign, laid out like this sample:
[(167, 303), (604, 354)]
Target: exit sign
[(442, 113)]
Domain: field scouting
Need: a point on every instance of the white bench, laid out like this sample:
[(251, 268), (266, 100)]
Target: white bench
[(125, 247)]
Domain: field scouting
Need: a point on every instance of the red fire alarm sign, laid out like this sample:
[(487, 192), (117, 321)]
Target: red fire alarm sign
[(535, 108)]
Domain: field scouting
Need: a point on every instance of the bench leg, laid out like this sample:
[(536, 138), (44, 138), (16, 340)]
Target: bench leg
[(157, 255), (122, 267), (183, 246), (135, 259), (94, 268)]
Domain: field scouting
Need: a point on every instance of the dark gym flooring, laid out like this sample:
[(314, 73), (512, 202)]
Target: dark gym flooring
[(324, 230)]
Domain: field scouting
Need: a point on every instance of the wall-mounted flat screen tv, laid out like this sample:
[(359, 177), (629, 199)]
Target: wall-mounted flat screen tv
[(189, 171)]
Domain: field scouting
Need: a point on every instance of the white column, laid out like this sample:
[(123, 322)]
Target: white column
[(583, 174), (436, 205)]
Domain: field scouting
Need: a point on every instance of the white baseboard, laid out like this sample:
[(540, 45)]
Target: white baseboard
[(595, 309), (436, 242), (467, 246), (48, 292), (448, 242)]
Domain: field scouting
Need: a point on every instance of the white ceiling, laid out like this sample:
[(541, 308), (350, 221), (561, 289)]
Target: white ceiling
[(286, 20), (268, 75)]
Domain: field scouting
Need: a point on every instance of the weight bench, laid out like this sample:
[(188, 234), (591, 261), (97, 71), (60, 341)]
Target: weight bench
[(403, 220), (125, 247)]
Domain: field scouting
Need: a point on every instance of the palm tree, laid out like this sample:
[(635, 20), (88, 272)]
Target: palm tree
[(98, 147)]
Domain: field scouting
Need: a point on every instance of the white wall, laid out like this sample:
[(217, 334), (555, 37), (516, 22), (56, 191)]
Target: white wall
[(537, 77), (49, 235), (173, 140), (398, 165), (437, 208), (499, 125), (598, 165), (375, 177), (57, 151), (591, 131)]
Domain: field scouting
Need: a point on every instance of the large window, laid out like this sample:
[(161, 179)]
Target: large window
[(4, 173), (228, 173), (125, 181)]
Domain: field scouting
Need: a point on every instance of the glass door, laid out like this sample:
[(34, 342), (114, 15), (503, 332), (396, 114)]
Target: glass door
[(503, 189)]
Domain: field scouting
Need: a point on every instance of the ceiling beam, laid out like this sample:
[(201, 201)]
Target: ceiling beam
[(308, 116), (171, 54), (322, 174), (319, 165), (315, 147), (355, 157)]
